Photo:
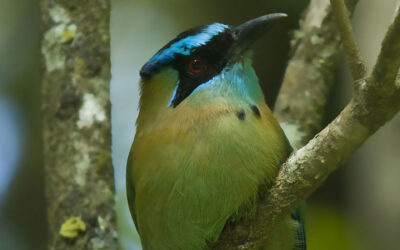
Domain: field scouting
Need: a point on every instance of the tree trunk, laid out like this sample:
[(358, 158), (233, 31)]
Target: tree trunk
[(76, 124)]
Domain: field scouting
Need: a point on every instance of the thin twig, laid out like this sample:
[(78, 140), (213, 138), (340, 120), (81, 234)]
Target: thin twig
[(356, 63), (388, 63)]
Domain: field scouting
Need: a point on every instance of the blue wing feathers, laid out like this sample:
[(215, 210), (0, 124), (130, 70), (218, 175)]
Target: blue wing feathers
[(298, 215)]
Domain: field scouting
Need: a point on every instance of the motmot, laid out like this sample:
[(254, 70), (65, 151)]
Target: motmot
[(206, 143)]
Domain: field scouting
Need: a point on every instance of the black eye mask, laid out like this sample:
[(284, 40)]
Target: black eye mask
[(215, 54)]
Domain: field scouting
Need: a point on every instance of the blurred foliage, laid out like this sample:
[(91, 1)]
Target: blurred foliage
[(329, 228), (20, 81)]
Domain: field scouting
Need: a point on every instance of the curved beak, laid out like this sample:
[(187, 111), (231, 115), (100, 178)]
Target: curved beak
[(248, 32)]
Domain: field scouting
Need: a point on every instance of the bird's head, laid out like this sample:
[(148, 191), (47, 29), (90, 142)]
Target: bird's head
[(211, 58)]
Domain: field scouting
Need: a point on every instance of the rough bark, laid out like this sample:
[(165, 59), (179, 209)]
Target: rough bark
[(76, 124)]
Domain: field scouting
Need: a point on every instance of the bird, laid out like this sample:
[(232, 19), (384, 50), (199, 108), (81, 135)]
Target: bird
[(206, 144)]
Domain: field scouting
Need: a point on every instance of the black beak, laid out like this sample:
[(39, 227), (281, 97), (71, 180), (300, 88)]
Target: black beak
[(248, 32)]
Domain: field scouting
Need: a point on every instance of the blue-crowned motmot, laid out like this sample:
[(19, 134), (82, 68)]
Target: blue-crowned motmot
[(206, 143)]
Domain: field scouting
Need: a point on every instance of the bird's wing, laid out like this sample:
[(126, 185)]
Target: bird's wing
[(130, 189), (298, 215)]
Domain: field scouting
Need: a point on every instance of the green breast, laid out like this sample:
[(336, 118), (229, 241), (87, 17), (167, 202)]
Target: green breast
[(188, 176)]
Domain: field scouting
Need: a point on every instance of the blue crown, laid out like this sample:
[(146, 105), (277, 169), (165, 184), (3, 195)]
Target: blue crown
[(183, 46)]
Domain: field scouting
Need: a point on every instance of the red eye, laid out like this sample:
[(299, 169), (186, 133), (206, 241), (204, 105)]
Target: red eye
[(197, 65)]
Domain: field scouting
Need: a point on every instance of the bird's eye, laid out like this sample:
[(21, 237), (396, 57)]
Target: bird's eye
[(197, 65)]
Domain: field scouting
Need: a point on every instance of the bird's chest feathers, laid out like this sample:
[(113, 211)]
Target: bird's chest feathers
[(219, 150), (217, 137), (197, 167)]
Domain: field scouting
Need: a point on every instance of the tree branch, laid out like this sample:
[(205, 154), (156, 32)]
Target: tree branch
[(76, 124), (356, 63), (310, 72), (387, 65), (376, 100)]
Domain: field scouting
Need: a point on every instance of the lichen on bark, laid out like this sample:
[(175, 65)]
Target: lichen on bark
[(76, 122)]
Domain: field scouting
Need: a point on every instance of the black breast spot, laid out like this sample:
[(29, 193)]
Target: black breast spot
[(255, 110), (241, 114)]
